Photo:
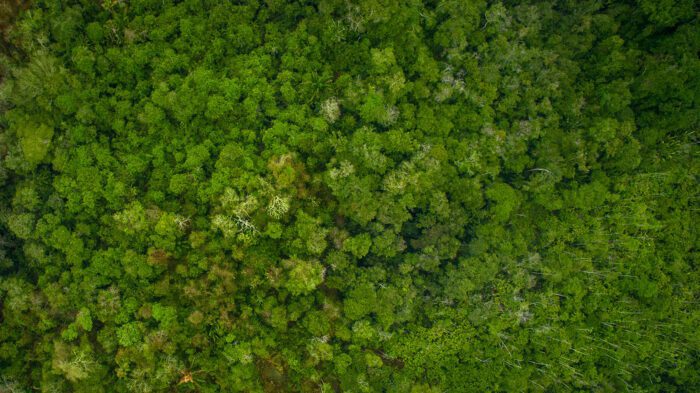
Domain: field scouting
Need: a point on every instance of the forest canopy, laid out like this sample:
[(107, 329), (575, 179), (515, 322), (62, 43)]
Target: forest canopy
[(414, 196)]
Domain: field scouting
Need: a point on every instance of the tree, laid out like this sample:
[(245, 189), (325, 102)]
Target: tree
[(353, 195)]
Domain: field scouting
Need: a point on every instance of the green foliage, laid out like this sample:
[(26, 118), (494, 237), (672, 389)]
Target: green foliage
[(358, 245), (166, 315), (84, 320), (35, 141), (129, 334), (349, 196), (304, 276)]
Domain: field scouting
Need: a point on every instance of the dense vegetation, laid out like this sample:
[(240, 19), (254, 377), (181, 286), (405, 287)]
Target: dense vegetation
[(350, 196)]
